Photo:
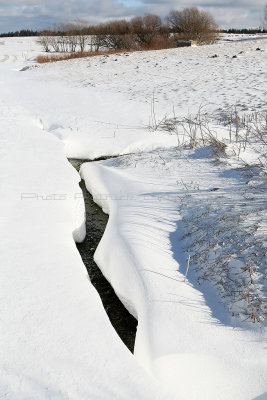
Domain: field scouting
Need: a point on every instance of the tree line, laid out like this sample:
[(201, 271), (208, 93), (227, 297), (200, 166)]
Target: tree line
[(21, 33), (141, 32), (248, 31)]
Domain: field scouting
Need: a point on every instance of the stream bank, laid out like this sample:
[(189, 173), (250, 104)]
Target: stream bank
[(96, 220)]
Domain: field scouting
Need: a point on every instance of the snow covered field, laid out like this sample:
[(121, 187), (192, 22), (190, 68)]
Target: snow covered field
[(194, 338)]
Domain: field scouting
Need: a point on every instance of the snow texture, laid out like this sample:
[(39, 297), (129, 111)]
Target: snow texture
[(185, 336), (56, 340)]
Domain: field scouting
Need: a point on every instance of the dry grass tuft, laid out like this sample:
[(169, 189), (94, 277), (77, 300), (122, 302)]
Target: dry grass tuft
[(69, 56)]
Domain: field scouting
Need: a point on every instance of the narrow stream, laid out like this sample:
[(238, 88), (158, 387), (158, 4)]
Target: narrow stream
[(123, 322)]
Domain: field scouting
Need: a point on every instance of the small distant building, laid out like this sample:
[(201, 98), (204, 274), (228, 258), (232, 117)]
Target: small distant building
[(184, 43)]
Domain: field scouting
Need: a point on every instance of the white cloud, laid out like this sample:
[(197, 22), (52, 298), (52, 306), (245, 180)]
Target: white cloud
[(38, 14)]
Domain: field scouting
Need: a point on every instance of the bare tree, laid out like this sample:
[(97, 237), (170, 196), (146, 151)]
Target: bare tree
[(145, 32), (97, 42), (145, 29), (45, 40), (64, 38), (82, 41), (193, 24), (117, 27)]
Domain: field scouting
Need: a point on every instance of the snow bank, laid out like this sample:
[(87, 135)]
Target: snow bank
[(55, 338), (185, 337)]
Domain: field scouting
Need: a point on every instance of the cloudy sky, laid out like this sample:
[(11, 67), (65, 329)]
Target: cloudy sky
[(39, 14)]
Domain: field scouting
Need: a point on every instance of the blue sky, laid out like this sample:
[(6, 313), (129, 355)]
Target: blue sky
[(39, 14)]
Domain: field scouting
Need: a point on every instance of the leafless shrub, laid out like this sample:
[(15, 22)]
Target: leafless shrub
[(119, 42)]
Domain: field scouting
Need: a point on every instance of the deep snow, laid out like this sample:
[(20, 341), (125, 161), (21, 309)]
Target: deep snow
[(57, 341), (184, 336)]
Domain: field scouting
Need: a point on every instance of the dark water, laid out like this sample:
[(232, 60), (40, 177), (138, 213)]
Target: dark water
[(123, 322)]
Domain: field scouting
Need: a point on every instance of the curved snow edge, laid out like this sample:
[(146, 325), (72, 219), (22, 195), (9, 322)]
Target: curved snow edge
[(131, 290)]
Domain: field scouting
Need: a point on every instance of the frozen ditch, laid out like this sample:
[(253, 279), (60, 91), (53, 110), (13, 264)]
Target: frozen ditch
[(122, 321)]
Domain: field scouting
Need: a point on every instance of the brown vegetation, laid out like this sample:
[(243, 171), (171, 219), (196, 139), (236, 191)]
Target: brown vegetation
[(158, 44), (148, 32), (69, 56)]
